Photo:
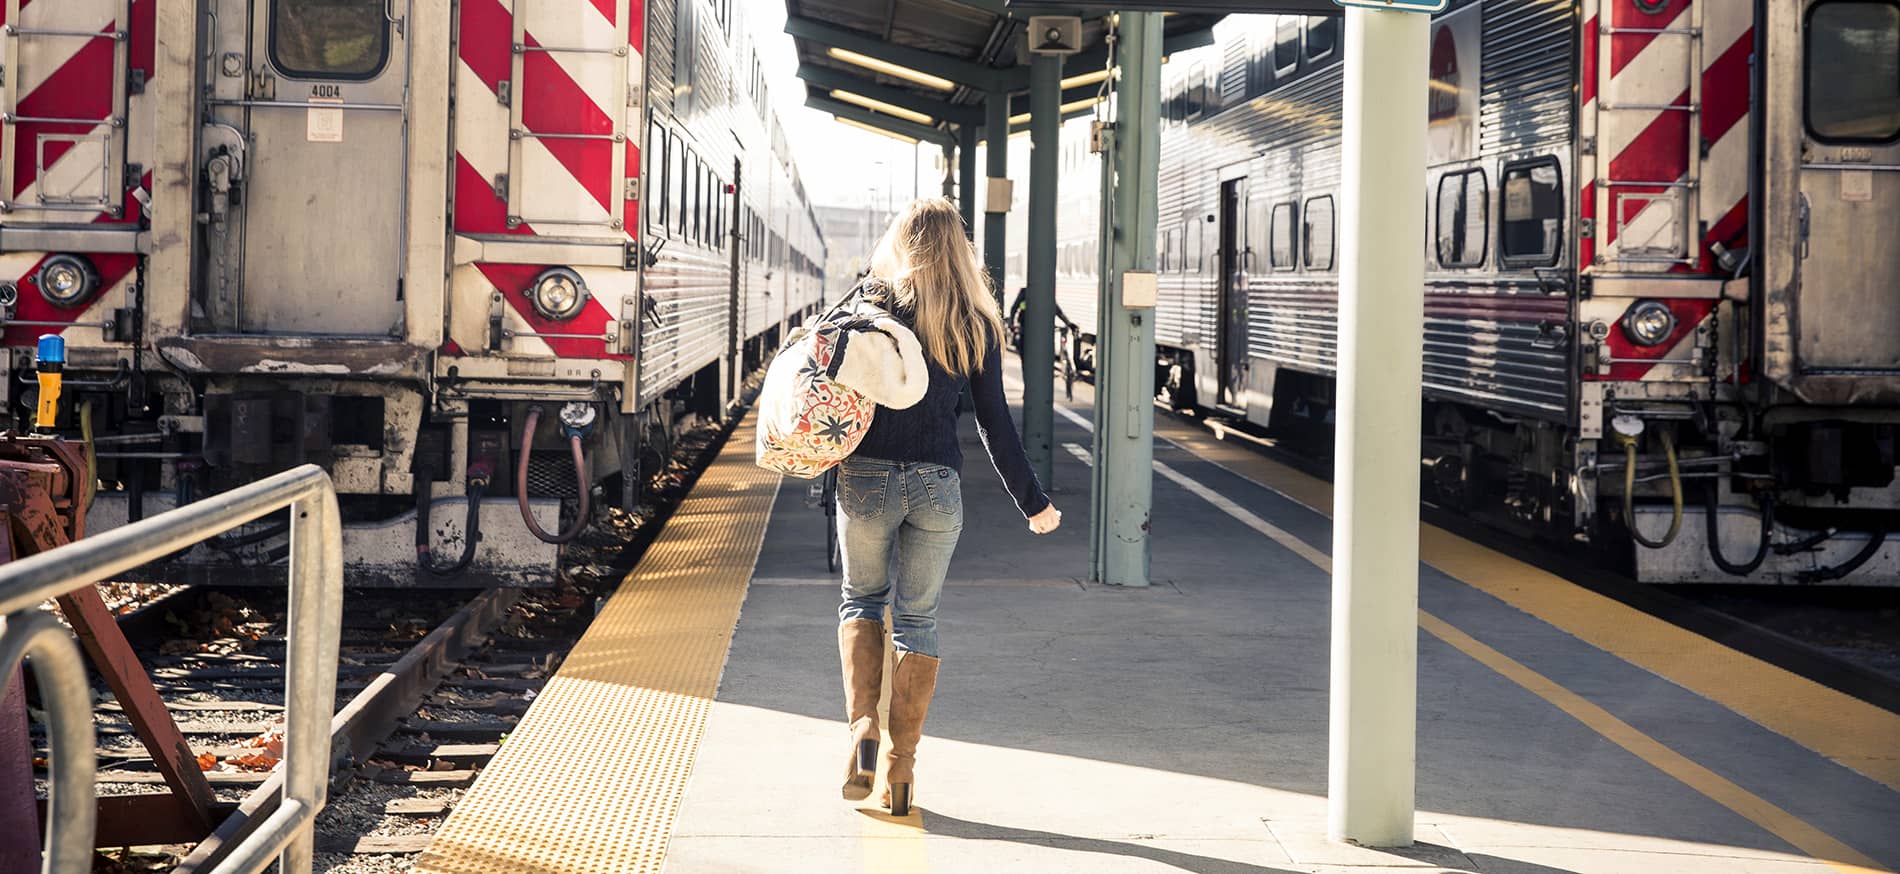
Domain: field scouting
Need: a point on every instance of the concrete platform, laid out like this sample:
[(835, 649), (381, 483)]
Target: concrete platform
[(1184, 727)]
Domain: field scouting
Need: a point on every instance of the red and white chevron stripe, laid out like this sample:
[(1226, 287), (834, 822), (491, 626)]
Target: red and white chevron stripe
[(1654, 145), (567, 182), (68, 77)]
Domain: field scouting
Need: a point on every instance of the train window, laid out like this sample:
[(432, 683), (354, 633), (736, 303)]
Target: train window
[(1286, 45), (683, 187), (1853, 55), (1318, 242), (1285, 237), (1322, 37), (697, 231), (1531, 217), (654, 188), (329, 39), (1462, 219), (1258, 223)]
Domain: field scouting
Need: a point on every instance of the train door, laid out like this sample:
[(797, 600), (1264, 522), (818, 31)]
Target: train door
[(1832, 180), (312, 243), (1232, 345)]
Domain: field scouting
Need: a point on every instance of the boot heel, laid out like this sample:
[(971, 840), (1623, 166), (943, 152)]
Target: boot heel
[(900, 799), (857, 784)]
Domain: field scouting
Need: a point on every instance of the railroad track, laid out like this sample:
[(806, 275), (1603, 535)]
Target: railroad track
[(429, 683)]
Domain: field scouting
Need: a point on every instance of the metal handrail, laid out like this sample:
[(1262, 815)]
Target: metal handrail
[(314, 627)]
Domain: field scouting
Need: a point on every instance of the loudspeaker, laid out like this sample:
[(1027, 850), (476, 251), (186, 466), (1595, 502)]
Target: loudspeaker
[(1054, 34)]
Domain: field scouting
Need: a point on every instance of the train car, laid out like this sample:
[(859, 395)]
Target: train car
[(477, 259), (1659, 281)]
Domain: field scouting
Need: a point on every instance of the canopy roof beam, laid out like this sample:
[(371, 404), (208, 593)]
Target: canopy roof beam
[(879, 120), (967, 73), (829, 79)]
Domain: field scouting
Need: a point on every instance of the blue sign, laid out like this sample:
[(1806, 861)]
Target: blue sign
[(1398, 5)]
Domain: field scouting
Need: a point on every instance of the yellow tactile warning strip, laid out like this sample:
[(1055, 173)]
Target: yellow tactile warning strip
[(591, 778), (1845, 729)]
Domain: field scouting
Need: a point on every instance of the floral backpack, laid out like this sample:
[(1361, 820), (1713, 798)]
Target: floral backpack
[(823, 388)]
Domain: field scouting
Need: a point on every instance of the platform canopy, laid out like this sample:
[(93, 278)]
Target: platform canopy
[(920, 69)]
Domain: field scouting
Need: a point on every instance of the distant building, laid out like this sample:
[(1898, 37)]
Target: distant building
[(850, 234)]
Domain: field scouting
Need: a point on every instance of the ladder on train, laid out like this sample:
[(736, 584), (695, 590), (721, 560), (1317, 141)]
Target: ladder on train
[(614, 103), (1644, 238), (100, 192)]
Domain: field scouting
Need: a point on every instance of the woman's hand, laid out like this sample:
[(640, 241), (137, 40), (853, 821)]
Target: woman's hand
[(1046, 521)]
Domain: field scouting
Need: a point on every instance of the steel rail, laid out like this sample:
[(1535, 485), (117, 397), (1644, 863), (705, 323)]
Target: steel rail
[(314, 625)]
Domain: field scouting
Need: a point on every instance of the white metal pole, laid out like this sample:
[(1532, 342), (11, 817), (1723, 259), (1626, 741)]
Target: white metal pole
[(1370, 791)]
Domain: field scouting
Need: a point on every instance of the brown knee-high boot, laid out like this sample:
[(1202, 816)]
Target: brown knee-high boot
[(913, 681), (861, 652)]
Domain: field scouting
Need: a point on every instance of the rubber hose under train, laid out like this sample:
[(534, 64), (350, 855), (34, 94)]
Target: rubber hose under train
[(580, 482), (1714, 534), (478, 476), (1629, 491)]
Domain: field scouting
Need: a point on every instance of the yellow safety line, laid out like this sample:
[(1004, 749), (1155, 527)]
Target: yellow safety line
[(1844, 729), (1725, 792), (1316, 495), (591, 778)]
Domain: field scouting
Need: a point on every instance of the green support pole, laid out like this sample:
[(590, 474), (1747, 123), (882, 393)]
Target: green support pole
[(1125, 348), (1039, 319), (966, 177), (996, 215)]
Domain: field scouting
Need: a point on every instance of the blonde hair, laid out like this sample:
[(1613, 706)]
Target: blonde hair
[(932, 268)]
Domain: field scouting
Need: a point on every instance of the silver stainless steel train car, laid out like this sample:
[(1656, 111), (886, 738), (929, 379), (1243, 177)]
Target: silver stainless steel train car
[(474, 258), (1661, 283)]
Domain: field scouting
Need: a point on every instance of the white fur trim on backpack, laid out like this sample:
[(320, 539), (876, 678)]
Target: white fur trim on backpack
[(885, 364)]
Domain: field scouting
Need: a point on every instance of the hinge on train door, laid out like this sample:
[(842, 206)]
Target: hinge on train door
[(504, 92), (263, 85), (633, 189), (135, 81), (1587, 146)]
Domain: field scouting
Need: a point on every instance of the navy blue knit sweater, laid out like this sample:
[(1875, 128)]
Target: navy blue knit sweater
[(927, 432)]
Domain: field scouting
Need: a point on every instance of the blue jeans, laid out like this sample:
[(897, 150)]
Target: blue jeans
[(898, 524)]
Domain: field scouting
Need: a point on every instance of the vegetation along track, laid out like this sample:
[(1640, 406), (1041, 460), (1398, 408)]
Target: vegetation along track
[(428, 685)]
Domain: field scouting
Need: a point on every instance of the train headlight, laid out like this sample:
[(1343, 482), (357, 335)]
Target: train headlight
[(1649, 322), (559, 294), (66, 280)]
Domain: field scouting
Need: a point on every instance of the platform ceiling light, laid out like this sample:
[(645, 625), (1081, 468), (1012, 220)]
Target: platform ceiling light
[(1649, 323), (874, 129), (1091, 78), (66, 280), (881, 106), (1076, 105), (890, 69), (558, 293)]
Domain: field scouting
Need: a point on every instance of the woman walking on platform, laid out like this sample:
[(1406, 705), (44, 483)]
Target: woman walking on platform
[(900, 492)]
